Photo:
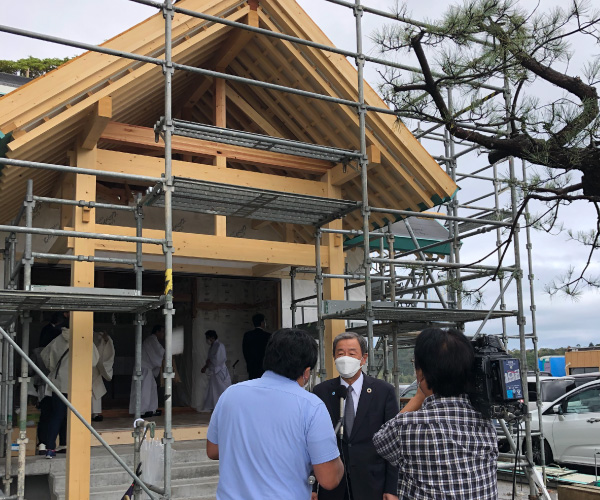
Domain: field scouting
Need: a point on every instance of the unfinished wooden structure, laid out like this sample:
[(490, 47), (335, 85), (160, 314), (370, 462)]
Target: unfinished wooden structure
[(142, 106)]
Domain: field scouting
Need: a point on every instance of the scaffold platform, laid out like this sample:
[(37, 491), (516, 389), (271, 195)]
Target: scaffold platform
[(57, 298), (239, 201)]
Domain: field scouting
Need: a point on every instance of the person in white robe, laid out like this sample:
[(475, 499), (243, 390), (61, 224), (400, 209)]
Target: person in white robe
[(103, 370), (217, 371), (152, 357), (56, 357)]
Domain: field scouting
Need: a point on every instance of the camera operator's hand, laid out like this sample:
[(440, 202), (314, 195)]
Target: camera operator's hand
[(415, 402), (388, 496), (422, 392)]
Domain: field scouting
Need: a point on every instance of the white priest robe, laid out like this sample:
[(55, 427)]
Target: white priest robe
[(56, 357), (103, 369), (219, 378), (152, 358)]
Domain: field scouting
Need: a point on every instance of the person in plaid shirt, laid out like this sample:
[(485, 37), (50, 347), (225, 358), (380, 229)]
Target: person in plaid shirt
[(443, 447)]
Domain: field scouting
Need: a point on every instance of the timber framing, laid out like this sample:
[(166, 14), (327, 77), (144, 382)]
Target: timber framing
[(143, 137), (212, 247), (96, 112), (114, 161), (46, 114)]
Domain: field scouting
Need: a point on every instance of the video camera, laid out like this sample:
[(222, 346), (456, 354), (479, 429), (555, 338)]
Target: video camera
[(496, 390)]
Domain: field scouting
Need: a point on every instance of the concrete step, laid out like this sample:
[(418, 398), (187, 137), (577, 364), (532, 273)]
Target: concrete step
[(180, 489), (100, 477), (194, 476)]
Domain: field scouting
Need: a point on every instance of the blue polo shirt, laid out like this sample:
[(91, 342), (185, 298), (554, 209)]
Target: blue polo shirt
[(269, 431)]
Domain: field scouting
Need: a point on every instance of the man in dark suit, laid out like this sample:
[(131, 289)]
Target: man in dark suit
[(254, 346), (369, 403)]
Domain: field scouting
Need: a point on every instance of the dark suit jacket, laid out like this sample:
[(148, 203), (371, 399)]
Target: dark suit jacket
[(370, 475), (253, 347)]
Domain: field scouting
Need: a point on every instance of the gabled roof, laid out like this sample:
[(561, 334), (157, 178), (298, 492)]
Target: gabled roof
[(46, 115)]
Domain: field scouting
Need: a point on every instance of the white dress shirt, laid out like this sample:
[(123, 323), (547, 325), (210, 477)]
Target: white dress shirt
[(356, 390)]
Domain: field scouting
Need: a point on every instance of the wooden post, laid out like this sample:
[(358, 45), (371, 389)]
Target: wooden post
[(81, 344), (333, 289), (220, 88), (67, 192)]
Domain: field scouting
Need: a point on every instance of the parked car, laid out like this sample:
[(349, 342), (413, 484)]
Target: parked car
[(551, 388), (571, 427), (407, 394)]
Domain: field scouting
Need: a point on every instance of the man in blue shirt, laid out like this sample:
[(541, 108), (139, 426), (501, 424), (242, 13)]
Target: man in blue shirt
[(269, 433)]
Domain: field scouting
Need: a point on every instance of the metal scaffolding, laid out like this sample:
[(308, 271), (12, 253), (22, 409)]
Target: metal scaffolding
[(404, 290), (397, 284)]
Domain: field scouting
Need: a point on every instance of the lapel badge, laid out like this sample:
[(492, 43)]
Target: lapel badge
[(369, 390)]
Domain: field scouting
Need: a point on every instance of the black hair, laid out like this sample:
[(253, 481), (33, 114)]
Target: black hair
[(258, 319), (157, 328), (446, 358), (56, 317), (211, 334), (289, 352)]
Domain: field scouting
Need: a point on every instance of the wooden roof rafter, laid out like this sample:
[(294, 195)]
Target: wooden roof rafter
[(289, 15), (290, 116)]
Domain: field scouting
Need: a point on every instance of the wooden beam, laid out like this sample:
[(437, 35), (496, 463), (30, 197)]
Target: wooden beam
[(264, 269), (289, 233), (343, 173), (257, 118), (67, 193), (81, 342), (134, 135), (333, 289), (220, 101), (80, 109), (326, 68), (211, 247), (259, 224), (199, 92), (115, 161), (272, 103), (236, 42), (220, 120), (220, 225), (101, 115)]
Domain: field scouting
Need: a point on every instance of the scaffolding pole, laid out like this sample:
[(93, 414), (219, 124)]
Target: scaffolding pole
[(169, 311), (457, 272)]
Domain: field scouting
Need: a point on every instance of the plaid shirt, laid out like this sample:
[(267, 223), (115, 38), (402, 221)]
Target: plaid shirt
[(446, 450)]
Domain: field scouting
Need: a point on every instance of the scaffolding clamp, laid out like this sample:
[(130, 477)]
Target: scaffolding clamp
[(168, 9), (167, 245), (167, 67), (358, 11)]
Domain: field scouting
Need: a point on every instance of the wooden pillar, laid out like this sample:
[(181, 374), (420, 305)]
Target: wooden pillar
[(220, 88), (81, 344), (67, 192), (333, 289)]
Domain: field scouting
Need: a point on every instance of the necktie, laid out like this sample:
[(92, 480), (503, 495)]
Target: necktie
[(349, 412)]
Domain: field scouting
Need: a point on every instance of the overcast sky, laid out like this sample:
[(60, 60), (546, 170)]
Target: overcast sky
[(560, 321)]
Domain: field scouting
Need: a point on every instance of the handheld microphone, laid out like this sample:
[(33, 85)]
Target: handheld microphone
[(341, 392)]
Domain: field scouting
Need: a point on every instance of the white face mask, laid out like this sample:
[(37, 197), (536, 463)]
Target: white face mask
[(347, 366)]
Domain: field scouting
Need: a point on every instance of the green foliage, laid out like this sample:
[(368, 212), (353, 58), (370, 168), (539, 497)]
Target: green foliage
[(31, 67), (549, 116)]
